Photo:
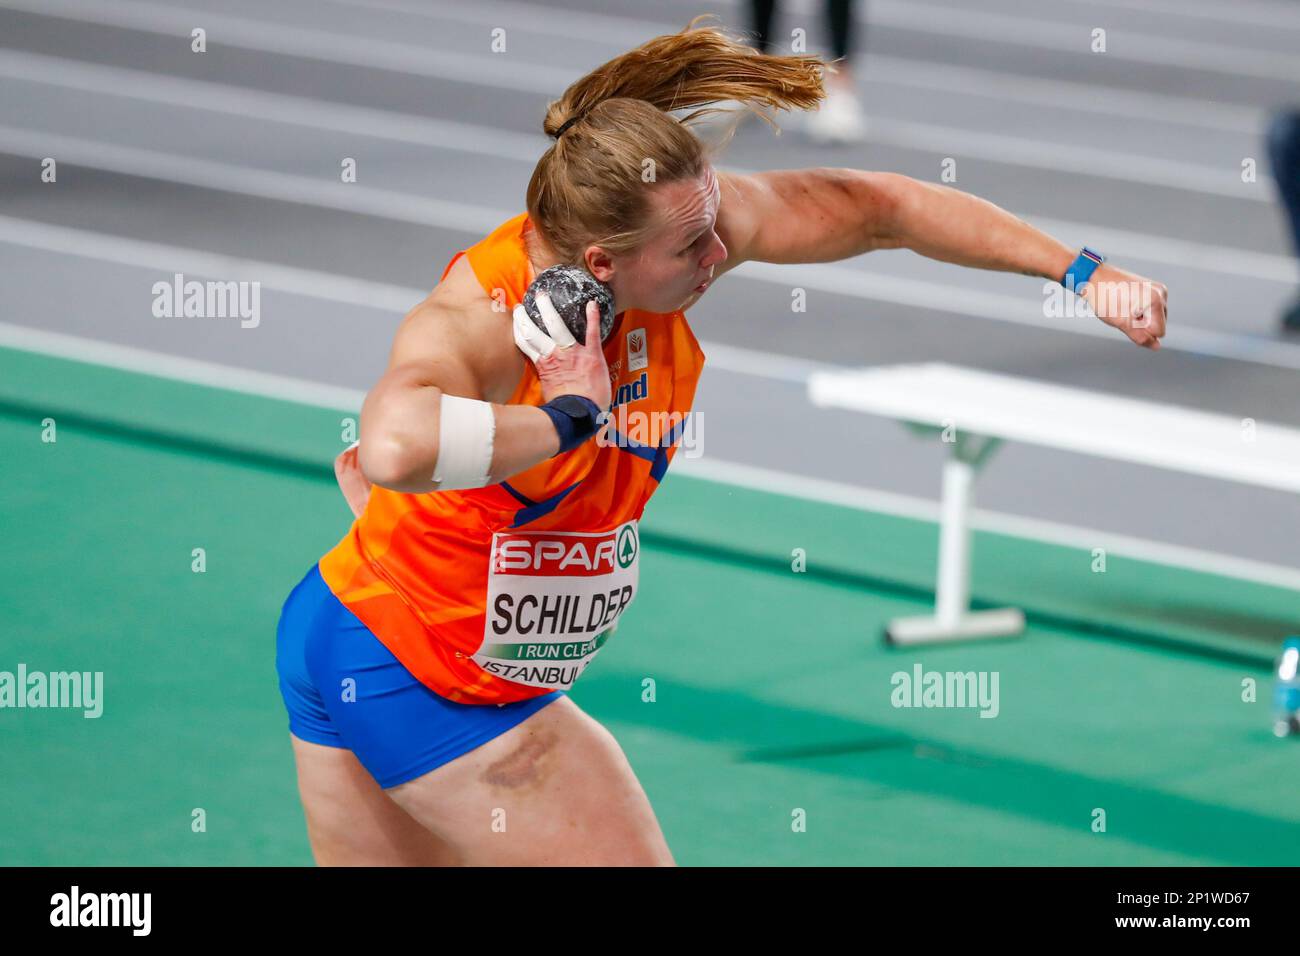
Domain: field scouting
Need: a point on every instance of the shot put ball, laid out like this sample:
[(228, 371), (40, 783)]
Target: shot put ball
[(570, 288)]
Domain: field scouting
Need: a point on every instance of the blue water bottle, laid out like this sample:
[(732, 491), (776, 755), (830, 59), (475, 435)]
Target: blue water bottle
[(1286, 692)]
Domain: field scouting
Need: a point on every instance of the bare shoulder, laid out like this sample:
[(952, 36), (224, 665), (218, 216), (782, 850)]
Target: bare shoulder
[(817, 214), (466, 344), (738, 215)]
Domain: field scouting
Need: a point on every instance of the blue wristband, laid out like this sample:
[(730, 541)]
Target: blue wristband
[(576, 418), (1081, 269)]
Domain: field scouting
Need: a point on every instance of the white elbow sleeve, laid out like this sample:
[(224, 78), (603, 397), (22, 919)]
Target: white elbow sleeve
[(466, 431)]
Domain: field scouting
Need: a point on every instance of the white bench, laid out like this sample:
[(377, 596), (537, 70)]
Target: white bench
[(975, 411)]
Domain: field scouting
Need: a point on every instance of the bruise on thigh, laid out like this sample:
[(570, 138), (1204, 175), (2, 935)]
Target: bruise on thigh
[(526, 767)]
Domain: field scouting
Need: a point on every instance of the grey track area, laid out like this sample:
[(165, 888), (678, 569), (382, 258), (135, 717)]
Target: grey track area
[(237, 152)]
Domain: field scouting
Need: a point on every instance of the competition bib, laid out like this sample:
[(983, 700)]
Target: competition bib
[(553, 599)]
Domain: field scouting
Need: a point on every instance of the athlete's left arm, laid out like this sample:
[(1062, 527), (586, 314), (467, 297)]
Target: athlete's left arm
[(826, 214)]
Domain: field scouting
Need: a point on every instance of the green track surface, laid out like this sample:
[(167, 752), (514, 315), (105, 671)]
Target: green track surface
[(772, 687)]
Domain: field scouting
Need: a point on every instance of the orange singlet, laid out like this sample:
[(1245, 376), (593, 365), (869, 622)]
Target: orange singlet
[(502, 593)]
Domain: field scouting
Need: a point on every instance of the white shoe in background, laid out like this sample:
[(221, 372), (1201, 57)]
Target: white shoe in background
[(840, 119)]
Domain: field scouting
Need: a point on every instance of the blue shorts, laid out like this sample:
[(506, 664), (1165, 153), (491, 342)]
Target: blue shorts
[(397, 727)]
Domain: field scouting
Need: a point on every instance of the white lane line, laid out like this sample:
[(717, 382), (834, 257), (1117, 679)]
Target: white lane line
[(247, 181), (246, 103), (1238, 12), (478, 140), (1123, 45), (1183, 253), (1013, 309), (767, 365), (168, 259), (1074, 158), (842, 280), (1051, 93), (307, 42), (962, 22), (299, 391), (923, 509), (1274, 16), (882, 70), (491, 70), (181, 369)]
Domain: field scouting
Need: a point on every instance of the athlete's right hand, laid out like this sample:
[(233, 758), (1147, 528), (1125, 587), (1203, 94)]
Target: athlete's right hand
[(564, 366), (352, 482)]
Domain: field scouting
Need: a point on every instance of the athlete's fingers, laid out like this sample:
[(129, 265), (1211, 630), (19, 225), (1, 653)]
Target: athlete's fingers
[(593, 324), (560, 333), (1144, 338), (352, 481), (1150, 320), (532, 341), (1157, 316), (525, 337)]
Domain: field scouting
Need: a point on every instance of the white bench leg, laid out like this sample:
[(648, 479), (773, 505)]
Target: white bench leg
[(953, 619), (952, 590)]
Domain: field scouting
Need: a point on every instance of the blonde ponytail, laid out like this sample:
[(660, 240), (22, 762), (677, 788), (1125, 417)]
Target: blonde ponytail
[(593, 184)]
